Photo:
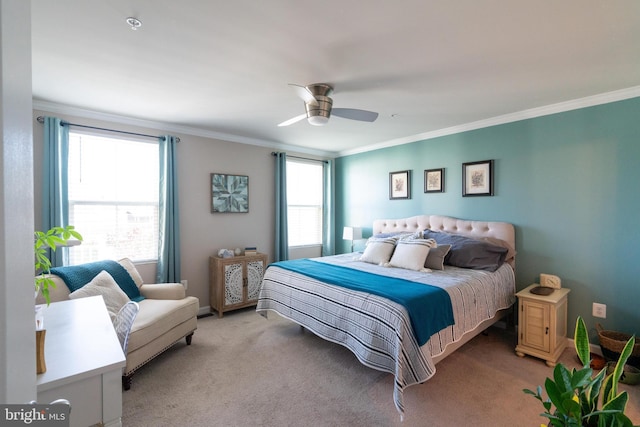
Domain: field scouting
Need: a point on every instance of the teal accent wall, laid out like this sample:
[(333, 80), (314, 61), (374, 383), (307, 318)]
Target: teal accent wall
[(569, 182)]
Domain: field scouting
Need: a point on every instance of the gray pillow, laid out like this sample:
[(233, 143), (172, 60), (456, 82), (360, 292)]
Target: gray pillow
[(467, 252), (435, 259)]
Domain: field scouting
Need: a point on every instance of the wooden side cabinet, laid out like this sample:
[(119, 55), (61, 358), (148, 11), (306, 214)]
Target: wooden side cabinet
[(235, 282), (542, 324)]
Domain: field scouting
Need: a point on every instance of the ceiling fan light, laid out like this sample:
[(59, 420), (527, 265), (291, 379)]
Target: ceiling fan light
[(318, 120)]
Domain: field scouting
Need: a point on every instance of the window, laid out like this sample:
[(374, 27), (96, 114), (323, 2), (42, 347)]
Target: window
[(304, 201), (113, 197)]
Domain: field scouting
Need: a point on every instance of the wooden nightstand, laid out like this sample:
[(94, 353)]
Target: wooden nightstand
[(542, 324), (235, 282)]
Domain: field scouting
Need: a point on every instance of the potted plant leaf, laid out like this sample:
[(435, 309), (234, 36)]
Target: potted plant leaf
[(45, 240), (577, 398)]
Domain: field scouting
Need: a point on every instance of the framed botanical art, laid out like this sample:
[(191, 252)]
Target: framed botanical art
[(477, 178), (229, 193), (434, 180), (399, 185)]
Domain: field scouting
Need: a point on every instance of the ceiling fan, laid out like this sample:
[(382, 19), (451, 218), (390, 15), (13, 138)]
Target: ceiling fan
[(319, 106)]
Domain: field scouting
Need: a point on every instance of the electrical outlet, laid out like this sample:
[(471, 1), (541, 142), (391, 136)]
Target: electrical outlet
[(599, 310), (185, 283)]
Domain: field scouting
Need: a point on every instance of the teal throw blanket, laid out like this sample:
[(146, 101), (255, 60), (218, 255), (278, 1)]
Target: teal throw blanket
[(76, 276), (429, 307)]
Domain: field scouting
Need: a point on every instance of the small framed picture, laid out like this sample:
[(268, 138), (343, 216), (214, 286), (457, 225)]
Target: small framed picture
[(434, 181), (399, 185), (229, 193), (477, 178)]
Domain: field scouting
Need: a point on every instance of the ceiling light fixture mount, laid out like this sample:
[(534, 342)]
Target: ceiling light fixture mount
[(318, 106), (318, 112), (135, 23)]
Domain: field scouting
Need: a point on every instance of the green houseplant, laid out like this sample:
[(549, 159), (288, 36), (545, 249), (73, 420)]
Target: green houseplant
[(45, 240), (575, 395)]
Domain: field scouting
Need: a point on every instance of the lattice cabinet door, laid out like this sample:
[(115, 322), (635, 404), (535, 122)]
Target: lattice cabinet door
[(235, 282), (255, 271)]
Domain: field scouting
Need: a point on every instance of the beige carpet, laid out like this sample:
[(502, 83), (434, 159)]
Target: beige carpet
[(244, 370)]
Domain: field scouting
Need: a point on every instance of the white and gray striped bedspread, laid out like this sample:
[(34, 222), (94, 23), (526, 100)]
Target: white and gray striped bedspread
[(377, 330)]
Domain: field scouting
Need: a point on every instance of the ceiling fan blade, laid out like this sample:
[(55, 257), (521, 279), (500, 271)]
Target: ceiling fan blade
[(355, 114), (305, 94), (293, 120)]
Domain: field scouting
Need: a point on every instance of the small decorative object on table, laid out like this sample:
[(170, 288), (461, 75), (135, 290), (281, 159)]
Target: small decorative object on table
[(225, 253), (41, 366)]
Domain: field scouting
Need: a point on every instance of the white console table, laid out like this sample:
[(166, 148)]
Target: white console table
[(84, 362)]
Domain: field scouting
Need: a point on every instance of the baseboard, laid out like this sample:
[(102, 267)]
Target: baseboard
[(593, 348), (204, 311)]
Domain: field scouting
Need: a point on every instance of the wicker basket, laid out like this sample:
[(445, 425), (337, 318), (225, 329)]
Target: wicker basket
[(630, 374), (612, 343)]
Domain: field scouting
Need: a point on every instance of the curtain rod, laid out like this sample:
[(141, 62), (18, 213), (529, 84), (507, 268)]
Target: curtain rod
[(273, 153), (40, 119)]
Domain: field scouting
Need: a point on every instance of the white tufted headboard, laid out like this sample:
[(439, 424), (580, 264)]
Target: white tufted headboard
[(499, 230)]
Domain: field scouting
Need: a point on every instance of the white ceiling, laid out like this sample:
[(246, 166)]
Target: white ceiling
[(223, 67)]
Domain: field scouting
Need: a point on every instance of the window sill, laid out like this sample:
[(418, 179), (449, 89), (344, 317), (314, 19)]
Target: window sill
[(315, 245)]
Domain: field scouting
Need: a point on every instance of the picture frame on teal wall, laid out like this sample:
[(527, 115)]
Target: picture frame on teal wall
[(400, 185), (477, 178), (434, 180), (229, 193)]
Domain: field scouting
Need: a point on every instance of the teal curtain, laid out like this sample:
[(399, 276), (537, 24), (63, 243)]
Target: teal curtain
[(55, 182), (168, 269), (281, 252), (328, 241)]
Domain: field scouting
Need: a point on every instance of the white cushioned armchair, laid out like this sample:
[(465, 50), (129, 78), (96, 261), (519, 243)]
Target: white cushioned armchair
[(166, 314)]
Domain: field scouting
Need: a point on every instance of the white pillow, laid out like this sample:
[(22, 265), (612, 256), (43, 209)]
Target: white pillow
[(412, 254), (131, 269), (378, 251), (103, 284)]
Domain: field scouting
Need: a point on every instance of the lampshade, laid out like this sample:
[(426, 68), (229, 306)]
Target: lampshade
[(352, 233)]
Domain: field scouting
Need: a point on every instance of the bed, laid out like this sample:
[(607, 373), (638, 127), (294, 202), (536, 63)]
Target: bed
[(380, 329)]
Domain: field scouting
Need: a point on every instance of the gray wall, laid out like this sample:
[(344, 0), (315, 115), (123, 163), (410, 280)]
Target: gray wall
[(202, 232)]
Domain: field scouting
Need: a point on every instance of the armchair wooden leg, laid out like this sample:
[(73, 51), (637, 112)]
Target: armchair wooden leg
[(188, 338), (126, 381)]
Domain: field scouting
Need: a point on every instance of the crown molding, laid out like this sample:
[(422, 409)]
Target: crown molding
[(56, 108), (589, 101)]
